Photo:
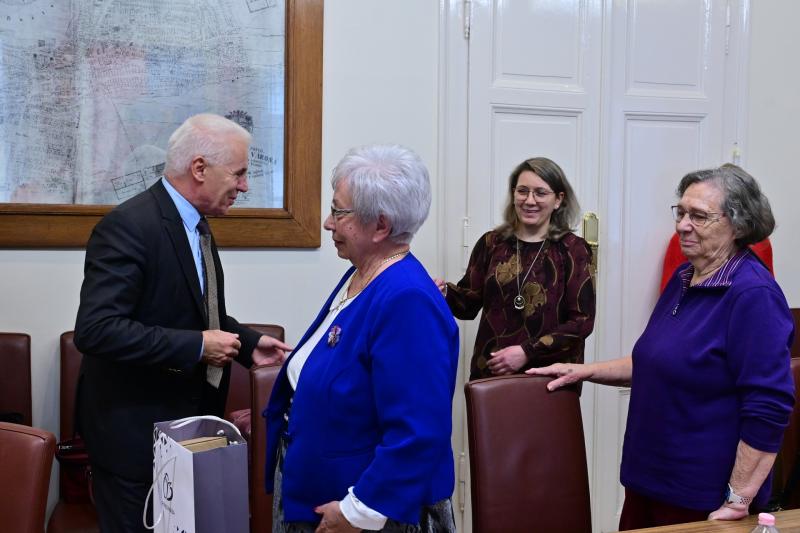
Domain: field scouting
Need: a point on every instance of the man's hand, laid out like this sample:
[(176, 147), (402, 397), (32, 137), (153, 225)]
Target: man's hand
[(220, 347), (269, 350), (441, 285), (507, 361), (333, 521)]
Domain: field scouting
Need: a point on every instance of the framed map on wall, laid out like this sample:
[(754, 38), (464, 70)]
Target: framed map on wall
[(90, 91)]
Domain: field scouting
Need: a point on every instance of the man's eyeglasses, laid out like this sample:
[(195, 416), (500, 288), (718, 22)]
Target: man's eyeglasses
[(539, 193), (339, 213), (698, 219)]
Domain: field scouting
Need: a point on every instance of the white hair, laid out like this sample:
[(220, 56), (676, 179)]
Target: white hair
[(201, 135), (387, 180)]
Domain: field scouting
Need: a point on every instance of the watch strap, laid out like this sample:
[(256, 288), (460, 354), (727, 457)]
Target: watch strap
[(732, 497)]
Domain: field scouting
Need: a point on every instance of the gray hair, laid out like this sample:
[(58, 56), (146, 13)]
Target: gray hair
[(387, 180), (744, 203), (204, 135), (563, 219)]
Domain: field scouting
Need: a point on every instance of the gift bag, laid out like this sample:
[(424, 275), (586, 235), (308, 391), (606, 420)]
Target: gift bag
[(201, 491)]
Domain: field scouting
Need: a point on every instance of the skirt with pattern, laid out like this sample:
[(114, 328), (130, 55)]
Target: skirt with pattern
[(436, 518)]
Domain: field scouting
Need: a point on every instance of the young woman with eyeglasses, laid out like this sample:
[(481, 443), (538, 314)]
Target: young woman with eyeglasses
[(530, 278)]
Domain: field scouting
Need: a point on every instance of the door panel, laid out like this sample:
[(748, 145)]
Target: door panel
[(627, 96), (534, 90)]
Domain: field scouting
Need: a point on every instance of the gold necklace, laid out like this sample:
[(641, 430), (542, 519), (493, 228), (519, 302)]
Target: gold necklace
[(344, 299), (519, 300)]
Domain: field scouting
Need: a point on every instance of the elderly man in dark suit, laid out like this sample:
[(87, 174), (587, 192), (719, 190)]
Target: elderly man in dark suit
[(152, 323)]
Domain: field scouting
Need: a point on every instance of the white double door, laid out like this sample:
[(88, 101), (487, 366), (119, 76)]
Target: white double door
[(627, 96)]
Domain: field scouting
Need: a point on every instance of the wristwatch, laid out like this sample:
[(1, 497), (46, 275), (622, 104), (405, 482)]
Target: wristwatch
[(732, 497)]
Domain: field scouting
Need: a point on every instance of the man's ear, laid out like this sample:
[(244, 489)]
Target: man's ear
[(382, 229), (198, 168)]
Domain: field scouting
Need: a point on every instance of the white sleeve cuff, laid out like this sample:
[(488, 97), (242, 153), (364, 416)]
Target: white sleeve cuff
[(359, 515)]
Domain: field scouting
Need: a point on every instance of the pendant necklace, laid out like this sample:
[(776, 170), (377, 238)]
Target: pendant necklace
[(519, 300), (344, 299)]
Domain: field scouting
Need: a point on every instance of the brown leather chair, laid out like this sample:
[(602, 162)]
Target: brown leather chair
[(26, 456), (15, 382), (527, 457), (786, 475), (795, 350), (239, 390), (70, 517), (262, 379)]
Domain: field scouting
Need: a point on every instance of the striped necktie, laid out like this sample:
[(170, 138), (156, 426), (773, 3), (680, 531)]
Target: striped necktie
[(213, 373)]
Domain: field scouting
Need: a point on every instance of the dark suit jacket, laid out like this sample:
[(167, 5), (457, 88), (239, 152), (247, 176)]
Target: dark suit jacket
[(139, 327)]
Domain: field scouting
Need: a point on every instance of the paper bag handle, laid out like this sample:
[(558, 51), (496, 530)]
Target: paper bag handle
[(149, 494), (175, 424)]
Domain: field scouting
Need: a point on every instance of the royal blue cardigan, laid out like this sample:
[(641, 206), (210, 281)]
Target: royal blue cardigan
[(710, 369), (372, 407)]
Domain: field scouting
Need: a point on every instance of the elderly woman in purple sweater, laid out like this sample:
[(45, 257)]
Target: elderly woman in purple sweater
[(711, 388)]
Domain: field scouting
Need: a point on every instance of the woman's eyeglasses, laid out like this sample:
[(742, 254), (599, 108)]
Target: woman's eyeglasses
[(337, 213), (698, 219), (539, 193)]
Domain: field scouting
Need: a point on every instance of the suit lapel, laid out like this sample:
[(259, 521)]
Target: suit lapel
[(173, 225)]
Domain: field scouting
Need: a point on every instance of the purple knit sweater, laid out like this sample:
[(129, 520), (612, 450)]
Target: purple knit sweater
[(711, 368)]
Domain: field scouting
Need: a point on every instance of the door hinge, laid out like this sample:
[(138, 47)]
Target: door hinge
[(467, 18), (465, 242), (736, 154), (727, 27), (462, 481)]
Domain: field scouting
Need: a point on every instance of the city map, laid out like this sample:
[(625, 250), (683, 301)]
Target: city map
[(90, 91)]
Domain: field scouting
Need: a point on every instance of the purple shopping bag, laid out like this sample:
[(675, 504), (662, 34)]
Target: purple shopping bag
[(200, 491)]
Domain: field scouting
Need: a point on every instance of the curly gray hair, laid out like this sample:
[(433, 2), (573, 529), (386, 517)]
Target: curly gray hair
[(388, 180), (744, 203)]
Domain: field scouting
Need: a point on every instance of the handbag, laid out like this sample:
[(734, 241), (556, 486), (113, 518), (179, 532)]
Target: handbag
[(75, 483)]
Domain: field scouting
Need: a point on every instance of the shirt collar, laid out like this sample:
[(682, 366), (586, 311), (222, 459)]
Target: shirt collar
[(188, 212), (720, 278)]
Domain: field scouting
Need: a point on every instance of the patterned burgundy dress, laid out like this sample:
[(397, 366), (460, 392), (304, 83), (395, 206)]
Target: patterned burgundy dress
[(559, 306)]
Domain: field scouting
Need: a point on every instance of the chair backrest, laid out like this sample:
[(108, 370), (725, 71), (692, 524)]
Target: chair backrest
[(527, 457), (70, 368), (786, 480), (239, 389), (15, 380), (262, 379), (795, 350), (26, 456)]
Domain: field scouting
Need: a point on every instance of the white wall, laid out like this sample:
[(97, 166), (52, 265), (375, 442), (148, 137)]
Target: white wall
[(773, 142), (380, 85)]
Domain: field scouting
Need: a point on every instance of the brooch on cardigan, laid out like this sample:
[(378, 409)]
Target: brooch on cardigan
[(333, 336)]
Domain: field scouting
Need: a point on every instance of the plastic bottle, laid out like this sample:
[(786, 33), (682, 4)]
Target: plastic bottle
[(766, 524)]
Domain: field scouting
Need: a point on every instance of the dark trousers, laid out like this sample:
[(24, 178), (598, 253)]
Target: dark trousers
[(120, 502), (639, 511)]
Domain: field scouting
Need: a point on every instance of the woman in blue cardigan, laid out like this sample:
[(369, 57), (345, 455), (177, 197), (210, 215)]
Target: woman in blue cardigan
[(359, 420), (711, 388)]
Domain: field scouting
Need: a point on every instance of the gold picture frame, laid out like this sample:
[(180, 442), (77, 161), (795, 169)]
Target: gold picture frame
[(296, 225)]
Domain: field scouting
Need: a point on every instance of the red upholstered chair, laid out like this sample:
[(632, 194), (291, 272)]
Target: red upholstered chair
[(26, 456), (15, 382), (786, 480), (239, 390), (70, 517), (247, 398), (262, 379), (527, 457)]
